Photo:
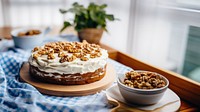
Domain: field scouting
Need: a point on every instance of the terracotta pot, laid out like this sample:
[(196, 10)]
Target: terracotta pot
[(91, 35)]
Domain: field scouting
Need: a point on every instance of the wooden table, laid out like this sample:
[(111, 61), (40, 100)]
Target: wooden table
[(190, 100)]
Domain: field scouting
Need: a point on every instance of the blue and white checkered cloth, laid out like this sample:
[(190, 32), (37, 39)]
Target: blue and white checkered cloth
[(16, 96)]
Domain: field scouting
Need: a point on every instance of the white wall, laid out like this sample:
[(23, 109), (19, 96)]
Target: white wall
[(152, 34), (1, 14), (118, 30), (35, 12)]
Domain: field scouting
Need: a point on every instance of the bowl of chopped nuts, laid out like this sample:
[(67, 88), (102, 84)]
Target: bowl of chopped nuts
[(27, 38), (142, 87)]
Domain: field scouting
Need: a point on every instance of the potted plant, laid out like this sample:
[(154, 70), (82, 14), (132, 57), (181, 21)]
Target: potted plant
[(89, 22)]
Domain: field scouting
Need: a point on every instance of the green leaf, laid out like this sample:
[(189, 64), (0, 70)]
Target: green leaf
[(110, 17), (75, 4), (91, 5), (117, 19), (103, 6), (93, 15), (65, 25), (63, 11), (106, 30)]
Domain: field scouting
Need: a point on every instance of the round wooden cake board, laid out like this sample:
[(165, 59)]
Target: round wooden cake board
[(69, 90)]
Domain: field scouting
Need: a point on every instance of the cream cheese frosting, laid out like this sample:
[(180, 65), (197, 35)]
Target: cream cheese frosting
[(73, 67)]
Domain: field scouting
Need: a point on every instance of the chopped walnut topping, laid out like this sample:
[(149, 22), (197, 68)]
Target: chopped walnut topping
[(66, 48), (79, 46), (72, 58), (50, 56), (63, 59), (99, 54), (51, 51), (74, 50), (35, 49), (87, 51), (61, 54), (35, 56), (78, 55), (67, 58), (47, 48), (84, 58), (51, 44), (93, 55), (97, 50), (77, 49), (42, 52), (95, 46), (96, 54), (57, 50)]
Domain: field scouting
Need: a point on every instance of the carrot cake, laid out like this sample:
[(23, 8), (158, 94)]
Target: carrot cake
[(68, 63)]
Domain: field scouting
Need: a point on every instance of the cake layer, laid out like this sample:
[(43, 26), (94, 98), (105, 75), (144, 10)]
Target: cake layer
[(67, 79)]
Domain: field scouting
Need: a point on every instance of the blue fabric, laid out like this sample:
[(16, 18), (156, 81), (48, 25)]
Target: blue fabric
[(22, 97)]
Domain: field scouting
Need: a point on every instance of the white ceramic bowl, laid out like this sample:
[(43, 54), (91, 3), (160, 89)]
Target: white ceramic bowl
[(141, 96), (27, 42)]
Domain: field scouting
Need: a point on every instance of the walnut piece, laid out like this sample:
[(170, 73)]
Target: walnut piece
[(74, 50), (67, 58), (72, 58), (67, 47), (35, 55), (96, 54), (63, 59), (51, 56), (42, 52), (57, 49), (84, 58), (78, 55), (61, 54), (35, 49)]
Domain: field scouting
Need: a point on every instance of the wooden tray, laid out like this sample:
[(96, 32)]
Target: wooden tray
[(69, 90)]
